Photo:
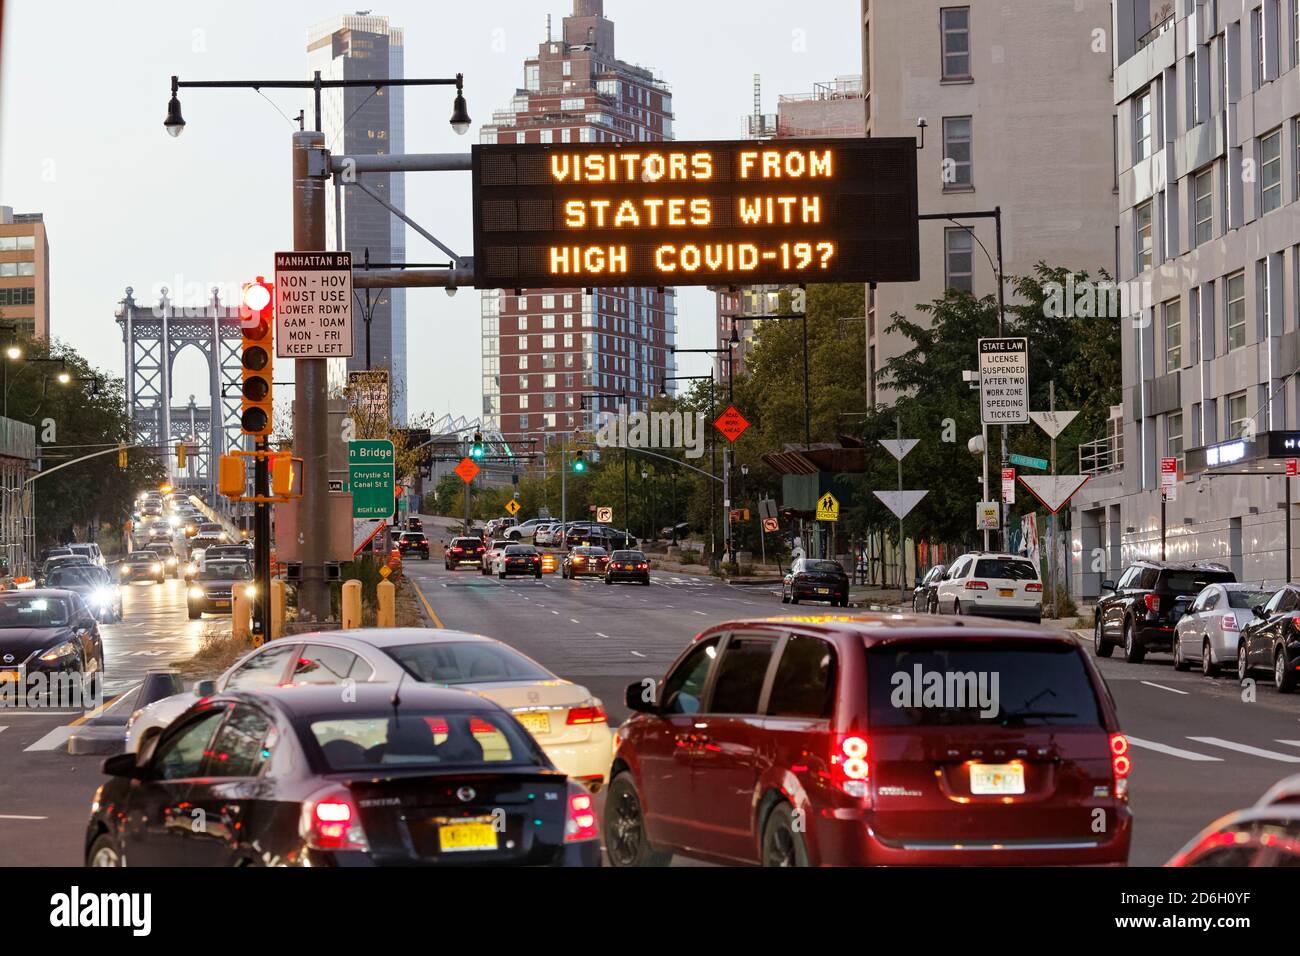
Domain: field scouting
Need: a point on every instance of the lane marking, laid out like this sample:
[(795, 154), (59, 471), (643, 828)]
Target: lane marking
[(19, 816), (3, 728), (601, 634), (1172, 690), (555, 612), (1289, 743), (701, 613), (428, 608), (1171, 751), (638, 654), (58, 737), (574, 620), (1247, 749)]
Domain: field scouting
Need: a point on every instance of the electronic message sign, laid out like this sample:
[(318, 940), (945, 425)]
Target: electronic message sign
[(723, 212)]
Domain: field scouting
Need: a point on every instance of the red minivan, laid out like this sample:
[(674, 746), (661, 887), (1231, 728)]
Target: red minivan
[(868, 740)]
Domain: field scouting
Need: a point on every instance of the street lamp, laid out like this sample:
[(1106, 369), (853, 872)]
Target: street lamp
[(174, 123), (14, 352), (460, 121)]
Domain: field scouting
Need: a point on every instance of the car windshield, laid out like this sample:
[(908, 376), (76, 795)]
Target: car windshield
[(986, 684), (418, 738), (73, 577), (1245, 600), (1193, 581), (33, 611), (1005, 568), (226, 571), (142, 557), (466, 662)]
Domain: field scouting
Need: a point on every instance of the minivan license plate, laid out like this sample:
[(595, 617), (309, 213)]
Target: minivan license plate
[(987, 779)]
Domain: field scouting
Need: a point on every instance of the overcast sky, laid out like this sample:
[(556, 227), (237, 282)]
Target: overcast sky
[(83, 93)]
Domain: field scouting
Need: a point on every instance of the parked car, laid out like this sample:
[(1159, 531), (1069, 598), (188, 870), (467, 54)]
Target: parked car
[(524, 529), (631, 566), (809, 741), (677, 531), (411, 774), (1209, 631), (1271, 639), (1143, 607), (814, 579), (489, 559), (925, 596), (991, 584), (1260, 836)]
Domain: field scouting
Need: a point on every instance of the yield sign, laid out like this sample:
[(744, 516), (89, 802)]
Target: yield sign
[(899, 447), (467, 469), (1053, 490), (731, 423), (901, 502), (1052, 422)]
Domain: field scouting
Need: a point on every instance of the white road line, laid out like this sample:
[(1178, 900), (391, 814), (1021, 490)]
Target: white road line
[(1171, 751), (1247, 749), (58, 737), (1172, 690), (638, 654), (19, 816), (3, 728), (1289, 743), (574, 620), (602, 634), (701, 614), (555, 612)]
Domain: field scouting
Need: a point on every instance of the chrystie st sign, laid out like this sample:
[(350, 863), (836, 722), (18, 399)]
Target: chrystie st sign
[(371, 477)]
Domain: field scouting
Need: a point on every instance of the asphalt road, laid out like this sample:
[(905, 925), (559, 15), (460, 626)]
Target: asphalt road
[(1201, 747)]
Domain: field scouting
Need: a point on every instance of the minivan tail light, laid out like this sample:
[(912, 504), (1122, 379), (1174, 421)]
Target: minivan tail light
[(1034, 586), (977, 586), (851, 765), (1230, 622), (1152, 602), (580, 823), (330, 821), (587, 715), (1120, 763)]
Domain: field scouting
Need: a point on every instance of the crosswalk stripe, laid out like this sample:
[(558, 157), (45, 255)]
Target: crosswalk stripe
[(1289, 743), (3, 728), (1172, 690), (55, 739), (1171, 751), (1247, 749)]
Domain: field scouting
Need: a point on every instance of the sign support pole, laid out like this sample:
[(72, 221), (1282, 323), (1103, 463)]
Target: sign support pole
[(902, 558), (1051, 518), (1286, 479), (262, 545)]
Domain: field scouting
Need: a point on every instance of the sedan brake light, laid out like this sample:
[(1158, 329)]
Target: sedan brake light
[(587, 715), (1230, 622), (330, 821), (581, 822), (977, 586)]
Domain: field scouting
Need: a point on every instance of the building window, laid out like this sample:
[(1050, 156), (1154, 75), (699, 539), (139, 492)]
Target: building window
[(1236, 311), (1236, 405), (568, 68), (954, 23), (1142, 232), (523, 421), (1257, 41), (1173, 336), (523, 363), (958, 259), (1270, 171), (1174, 437), (1142, 125), (957, 152), (1203, 206), (523, 402)]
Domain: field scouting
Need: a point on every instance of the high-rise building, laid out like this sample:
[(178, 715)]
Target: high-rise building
[(364, 121), (24, 274), (552, 358), (1017, 101), (1208, 185)]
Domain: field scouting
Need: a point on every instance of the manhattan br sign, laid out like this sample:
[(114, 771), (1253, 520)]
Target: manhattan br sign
[(721, 212)]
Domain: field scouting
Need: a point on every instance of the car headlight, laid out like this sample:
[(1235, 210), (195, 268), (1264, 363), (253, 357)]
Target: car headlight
[(191, 568), (171, 561), (124, 571), (102, 597), (250, 591), (157, 568), (196, 592), (66, 649)]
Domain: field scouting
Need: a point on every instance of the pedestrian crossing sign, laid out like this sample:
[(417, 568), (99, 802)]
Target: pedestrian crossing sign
[(828, 508)]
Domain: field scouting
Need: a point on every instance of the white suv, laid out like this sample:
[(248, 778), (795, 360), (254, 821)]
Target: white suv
[(993, 585)]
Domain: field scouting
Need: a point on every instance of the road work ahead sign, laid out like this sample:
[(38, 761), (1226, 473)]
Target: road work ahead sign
[(1004, 381), (313, 304)]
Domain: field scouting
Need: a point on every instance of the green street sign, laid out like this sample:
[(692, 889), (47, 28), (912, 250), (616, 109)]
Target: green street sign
[(371, 477), (1024, 461)]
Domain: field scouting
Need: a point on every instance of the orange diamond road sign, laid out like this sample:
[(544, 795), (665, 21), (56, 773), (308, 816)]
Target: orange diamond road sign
[(731, 423), (512, 506), (467, 469)]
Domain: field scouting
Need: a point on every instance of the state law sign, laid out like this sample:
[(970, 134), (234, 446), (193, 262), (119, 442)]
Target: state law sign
[(313, 305), (1004, 381)]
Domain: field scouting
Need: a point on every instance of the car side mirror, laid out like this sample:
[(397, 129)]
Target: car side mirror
[(122, 765), (205, 688), (1108, 585), (634, 698)]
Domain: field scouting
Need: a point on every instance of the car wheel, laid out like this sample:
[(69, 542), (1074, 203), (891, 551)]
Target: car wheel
[(932, 605), (608, 581), (1243, 665), (1100, 646), (501, 575), (782, 845), (1180, 662), (956, 608), (1283, 673), (538, 575), (1208, 667), (784, 598), (625, 838), (104, 852), (794, 598), (195, 615), (1134, 653)]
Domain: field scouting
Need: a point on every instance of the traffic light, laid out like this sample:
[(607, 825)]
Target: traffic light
[(180, 457), (230, 476), (282, 475), (256, 314), (579, 463), (476, 450), (121, 455)]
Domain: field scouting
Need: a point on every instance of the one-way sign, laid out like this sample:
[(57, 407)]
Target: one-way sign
[(1004, 381)]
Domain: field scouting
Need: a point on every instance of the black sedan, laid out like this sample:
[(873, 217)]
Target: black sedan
[(213, 589), (100, 593), (519, 559), (812, 579), (49, 644), (142, 566), (292, 776), (584, 560), (925, 596), (628, 566), (1272, 640)]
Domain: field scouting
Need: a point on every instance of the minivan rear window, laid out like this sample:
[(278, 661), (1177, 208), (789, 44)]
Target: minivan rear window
[(1006, 569), (1193, 582), (989, 684)]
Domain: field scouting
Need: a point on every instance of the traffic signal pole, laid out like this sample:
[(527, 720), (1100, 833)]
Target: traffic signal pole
[(310, 419), (262, 545)]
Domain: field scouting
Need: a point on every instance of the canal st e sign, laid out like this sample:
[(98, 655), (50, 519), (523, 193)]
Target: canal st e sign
[(716, 212)]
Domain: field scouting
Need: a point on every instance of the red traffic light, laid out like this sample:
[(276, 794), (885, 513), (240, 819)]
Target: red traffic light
[(257, 295)]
